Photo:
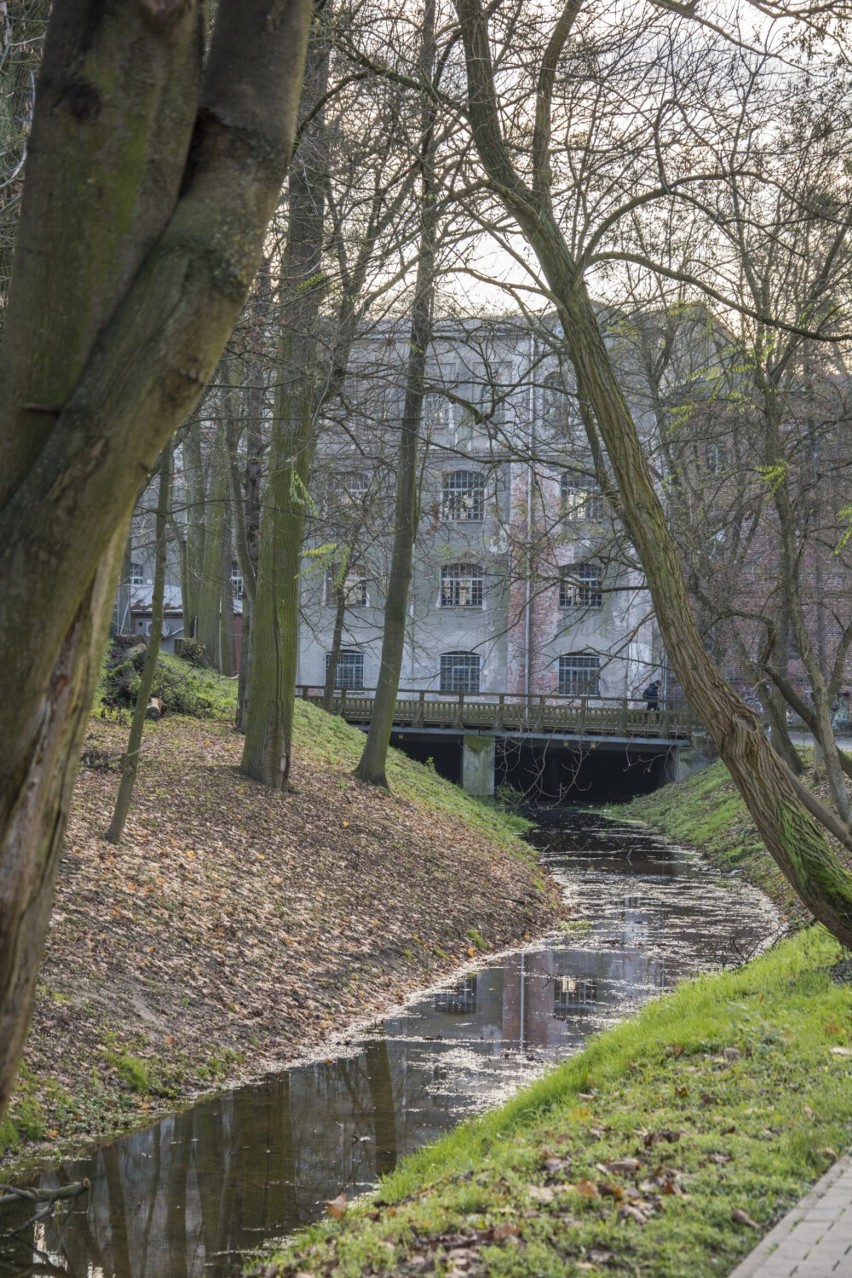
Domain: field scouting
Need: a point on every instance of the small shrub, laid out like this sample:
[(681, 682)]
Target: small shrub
[(193, 653), (9, 1136), (508, 799), (131, 1071)]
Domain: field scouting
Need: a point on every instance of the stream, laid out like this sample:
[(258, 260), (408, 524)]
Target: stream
[(190, 1195)]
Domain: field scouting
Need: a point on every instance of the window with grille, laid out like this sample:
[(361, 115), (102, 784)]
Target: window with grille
[(463, 495), (356, 486), (350, 668), (460, 1000), (136, 578), (461, 586), (571, 993), (354, 586), (579, 674), (460, 672), (236, 579), (582, 499), (581, 586)]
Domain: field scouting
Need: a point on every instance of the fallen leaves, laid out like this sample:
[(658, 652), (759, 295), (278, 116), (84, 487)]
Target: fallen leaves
[(739, 1217), (336, 1207), (226, 923), (587, 1189), (541, 1193), (649, 1139)]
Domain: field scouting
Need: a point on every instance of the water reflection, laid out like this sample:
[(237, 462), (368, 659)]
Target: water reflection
[(187, 1197)]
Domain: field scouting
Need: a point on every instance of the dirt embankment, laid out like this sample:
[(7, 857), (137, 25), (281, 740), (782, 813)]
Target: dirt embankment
[(235, 929)]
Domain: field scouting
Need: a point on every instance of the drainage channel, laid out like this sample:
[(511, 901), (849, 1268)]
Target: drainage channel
[(192, 1194)]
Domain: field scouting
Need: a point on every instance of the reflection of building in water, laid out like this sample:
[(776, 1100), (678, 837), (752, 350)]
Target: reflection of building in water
[(571, 994), (460, 1000)]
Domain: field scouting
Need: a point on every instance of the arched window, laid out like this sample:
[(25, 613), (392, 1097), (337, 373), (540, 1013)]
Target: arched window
[(460, 671), (350, 668), (461, 586), (582, 499), (579, 674), (463, 496), (581, 586)]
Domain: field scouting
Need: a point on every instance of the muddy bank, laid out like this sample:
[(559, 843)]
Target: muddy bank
[(235, 929)]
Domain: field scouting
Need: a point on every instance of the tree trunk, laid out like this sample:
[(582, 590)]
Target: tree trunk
[(805, 712), (124, 595), (194, 494), (244, 489), (336, 644), (123, 294), (211, 605), (373, 762), (226, 583), (130, 764), (775, 798), (275, 638)]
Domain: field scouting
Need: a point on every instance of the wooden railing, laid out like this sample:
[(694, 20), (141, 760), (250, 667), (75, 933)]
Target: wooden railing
[(511, 712)]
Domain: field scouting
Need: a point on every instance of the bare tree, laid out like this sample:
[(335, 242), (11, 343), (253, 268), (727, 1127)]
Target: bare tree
[(372, 764), (788, 818), (130, 761)]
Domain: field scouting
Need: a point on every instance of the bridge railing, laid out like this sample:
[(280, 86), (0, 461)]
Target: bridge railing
[(513, 712)]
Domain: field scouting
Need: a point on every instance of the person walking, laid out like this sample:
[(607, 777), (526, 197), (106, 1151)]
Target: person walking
[(652, 695)]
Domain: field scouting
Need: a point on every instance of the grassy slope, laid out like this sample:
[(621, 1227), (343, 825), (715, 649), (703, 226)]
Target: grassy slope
[(707, 812), (243, 925), (732, 1094)]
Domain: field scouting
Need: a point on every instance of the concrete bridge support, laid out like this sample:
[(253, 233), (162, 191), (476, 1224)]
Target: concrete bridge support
[(478, 754), (685, 759)]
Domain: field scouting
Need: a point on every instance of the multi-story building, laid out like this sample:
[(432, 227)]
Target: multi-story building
[(523, 581)]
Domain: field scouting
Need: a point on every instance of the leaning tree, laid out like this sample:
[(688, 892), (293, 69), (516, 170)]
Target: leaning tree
[(551, 199), (156, 157)]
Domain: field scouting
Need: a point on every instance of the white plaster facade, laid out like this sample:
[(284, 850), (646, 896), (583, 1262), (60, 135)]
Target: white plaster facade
[(520, 567)]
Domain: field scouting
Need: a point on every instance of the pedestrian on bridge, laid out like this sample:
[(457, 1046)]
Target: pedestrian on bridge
[(652, 695)]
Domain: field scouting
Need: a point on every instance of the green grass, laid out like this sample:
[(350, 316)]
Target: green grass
[(212, 690), (630, 1157), (25, 1119), (185, 688), (706, 810)]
